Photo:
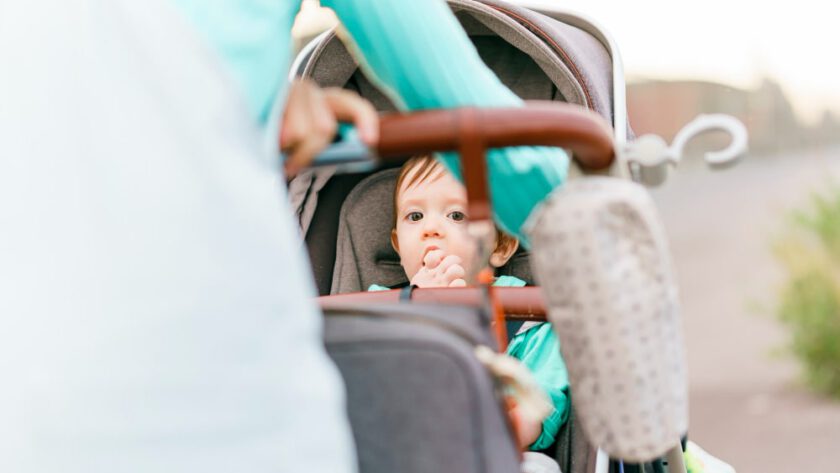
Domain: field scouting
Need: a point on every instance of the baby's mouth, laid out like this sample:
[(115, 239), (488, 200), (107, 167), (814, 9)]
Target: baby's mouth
[(428, 250)]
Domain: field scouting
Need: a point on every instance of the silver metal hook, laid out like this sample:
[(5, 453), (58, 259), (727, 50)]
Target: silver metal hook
[(705, 123), (646, 160)]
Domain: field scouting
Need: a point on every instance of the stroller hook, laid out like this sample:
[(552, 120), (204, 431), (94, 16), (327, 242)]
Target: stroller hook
[(646, 159), (717, 159)]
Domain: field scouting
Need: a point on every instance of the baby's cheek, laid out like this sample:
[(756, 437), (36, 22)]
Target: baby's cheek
[(411, 269), (469, 260)]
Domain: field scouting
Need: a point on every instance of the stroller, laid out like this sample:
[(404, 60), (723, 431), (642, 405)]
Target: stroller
[(389, 352)]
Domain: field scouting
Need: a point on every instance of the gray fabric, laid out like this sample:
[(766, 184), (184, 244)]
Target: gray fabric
[(330, 65), (299, 189), (303, 194), (516, 35), (366, 89), (574, 454), (364, 254), (584, 55), (518, 71), (418, 400)]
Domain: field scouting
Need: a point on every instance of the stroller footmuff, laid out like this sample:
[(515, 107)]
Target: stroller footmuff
[(422, 402)]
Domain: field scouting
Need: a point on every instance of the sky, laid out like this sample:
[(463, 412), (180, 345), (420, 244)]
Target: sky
[(732, 41)]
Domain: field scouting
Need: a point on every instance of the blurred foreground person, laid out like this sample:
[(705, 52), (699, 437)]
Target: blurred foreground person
[(157, 310)]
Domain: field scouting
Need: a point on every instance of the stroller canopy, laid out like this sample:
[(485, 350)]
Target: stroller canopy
[(537, 56)]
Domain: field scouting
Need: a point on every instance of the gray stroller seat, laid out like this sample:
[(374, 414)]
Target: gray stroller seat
[(364, 254)]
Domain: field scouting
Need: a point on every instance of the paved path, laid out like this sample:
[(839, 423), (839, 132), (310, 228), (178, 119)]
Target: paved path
[(747, 406)]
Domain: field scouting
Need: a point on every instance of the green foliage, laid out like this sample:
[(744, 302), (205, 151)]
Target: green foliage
[(810, 300)]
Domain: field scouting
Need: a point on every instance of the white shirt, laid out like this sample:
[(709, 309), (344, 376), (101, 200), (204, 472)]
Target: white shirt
[(156, 310)]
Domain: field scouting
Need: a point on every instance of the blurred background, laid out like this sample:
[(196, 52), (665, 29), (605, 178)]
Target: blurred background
[(756, 246)]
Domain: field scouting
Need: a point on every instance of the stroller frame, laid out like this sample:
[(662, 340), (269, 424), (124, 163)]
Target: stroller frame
[(619, 122)]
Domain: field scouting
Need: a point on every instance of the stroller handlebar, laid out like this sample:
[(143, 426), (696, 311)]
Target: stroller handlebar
[(519, 303), (584, 132), (472, 131)]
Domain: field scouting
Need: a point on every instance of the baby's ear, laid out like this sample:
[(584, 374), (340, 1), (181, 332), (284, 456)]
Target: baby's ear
[(394, 241), (504, 250)]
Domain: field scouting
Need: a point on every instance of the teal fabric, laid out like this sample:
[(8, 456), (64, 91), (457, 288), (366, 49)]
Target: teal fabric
[(377, 287), (509, 281), (253, 38), (414, 50), (538, 348)]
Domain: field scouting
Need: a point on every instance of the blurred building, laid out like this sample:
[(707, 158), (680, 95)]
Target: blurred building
[(663, 107)]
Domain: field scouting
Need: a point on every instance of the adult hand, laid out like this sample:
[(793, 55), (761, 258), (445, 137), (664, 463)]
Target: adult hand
[(440, 270), (311, 118), (529, 404), (528, 426)]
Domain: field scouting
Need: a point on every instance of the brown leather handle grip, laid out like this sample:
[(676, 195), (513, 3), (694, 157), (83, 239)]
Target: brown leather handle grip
[(519, 303), (584, 132)]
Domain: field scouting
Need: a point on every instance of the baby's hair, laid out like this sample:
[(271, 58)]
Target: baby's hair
[(426, 166)]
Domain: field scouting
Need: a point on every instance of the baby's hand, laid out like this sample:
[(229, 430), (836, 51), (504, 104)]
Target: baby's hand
[(440, 270)]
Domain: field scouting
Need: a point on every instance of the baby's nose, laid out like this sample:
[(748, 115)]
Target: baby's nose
[(433, 227)]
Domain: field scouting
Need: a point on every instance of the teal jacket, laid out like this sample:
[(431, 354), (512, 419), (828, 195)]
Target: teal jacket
[(414, 50), (538, 348)]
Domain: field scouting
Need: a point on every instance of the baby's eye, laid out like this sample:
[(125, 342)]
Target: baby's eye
[(414, 216), (457, 216)]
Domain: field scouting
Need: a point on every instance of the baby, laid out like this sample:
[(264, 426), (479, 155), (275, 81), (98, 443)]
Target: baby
[(430, 235), (429, 229)]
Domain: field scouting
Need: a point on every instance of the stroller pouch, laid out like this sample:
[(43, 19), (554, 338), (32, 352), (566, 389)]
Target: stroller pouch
[(600, 255)]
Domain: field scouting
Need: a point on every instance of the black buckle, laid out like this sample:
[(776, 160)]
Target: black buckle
[(405, 293)]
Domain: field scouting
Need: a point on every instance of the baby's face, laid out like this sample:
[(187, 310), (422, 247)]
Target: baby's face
[(431, 215)]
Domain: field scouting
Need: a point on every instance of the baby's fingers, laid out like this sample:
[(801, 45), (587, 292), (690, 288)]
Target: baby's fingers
[(453, 272), (433, 259), (458, 283), (450, 261)]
